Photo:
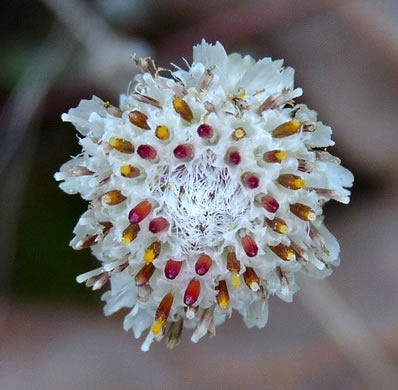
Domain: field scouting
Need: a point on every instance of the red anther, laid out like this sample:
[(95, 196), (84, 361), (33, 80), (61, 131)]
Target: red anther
[(183, 152), (205, 131), (192, 292), (172, 269), (203, 264), (270, 203), (232, 157), (250, 180), (147, 152), (249, 246), (157, 225), (139, 212)]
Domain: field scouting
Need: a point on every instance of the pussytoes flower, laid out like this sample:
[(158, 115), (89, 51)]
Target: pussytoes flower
[(206, 189)]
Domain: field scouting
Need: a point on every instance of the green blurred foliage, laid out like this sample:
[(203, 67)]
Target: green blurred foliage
[(45, 265)]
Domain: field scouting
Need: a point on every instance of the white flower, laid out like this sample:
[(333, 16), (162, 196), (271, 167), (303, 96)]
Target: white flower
[(206, 192)]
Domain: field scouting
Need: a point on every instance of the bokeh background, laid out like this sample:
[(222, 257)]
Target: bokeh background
[(339, 334)]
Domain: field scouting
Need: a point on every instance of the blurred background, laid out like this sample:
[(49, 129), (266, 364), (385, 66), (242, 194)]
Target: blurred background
[(340, 333)]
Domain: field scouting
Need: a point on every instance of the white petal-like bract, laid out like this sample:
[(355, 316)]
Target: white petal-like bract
[(206, 189)]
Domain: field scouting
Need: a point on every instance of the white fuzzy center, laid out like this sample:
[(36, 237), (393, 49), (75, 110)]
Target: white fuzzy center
[(203, 202)]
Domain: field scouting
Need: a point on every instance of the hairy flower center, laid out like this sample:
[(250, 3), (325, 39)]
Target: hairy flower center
[(204, 202)]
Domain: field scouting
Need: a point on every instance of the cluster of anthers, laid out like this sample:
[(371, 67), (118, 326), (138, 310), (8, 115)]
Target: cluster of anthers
[(206, 190)]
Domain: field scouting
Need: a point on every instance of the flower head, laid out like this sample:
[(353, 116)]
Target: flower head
[(206, 191)]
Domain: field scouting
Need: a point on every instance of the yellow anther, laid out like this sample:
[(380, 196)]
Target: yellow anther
[(169, 186), (149, 255), (162, 132), (129, 171), (242, 93), (287, 128), (277, 225), (162, 313), (157, 326), (238, 134), (152, 252), (113, 197), (251, 279), (303, 212), (284, 252), (281, 155), (121, 145), (130, 233), (292, 182), (235, 279), (275, 156), (283, 229), (181, 107), (223, 302), (223, 295)]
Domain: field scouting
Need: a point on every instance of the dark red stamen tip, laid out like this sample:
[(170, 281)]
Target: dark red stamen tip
[(205, 131)]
